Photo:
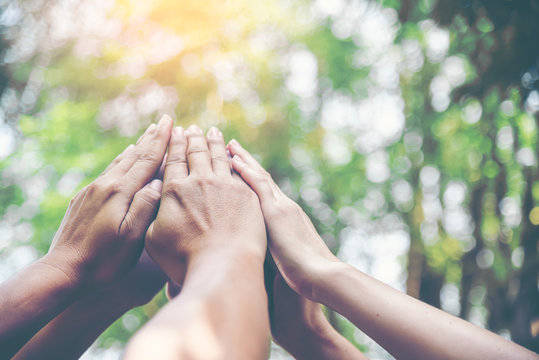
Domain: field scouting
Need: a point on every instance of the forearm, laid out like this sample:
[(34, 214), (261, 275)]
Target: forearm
[(74, 330), (406, 327), (326, 344), (222, 311), (29, 300)]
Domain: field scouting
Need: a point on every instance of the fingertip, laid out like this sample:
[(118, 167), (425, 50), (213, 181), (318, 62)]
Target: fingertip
[(156, 185), (178, 133), (214, 133), (193, 129), (165, 122)]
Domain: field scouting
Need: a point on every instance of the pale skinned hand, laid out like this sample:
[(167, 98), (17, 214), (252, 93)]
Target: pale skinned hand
[(102, 233), (204, 208), (299, 252)]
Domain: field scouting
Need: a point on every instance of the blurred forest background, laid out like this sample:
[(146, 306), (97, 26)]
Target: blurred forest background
[(407, 130)]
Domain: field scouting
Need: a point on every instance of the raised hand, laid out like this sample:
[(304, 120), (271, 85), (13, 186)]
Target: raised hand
[(404, 326), (99, 240), (299, 252), (204, 208), (210, 230), (101, 235)]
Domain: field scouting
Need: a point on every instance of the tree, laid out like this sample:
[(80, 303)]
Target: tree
[(391, 123)]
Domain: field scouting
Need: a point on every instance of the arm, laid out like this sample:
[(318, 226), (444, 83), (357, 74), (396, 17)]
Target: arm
[(301, 328), (406, 327), (97, 242), (220, 314), (209, 223), (65, 338)]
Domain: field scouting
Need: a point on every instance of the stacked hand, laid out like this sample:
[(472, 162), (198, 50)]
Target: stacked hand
[(203, 228), (204, 208), (102, 233)]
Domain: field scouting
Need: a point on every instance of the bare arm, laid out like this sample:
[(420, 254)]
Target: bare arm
[(301, 328), (406, 327), (209, 223), (97, 242), (75, 329), (220, 314), (29, 300)]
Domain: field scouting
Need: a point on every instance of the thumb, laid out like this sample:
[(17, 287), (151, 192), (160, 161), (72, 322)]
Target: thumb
[(142, 211)]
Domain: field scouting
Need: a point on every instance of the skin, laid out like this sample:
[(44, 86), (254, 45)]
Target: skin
[(100, 220), (64, 338), (210, 228), (301, 328), (404, 326)]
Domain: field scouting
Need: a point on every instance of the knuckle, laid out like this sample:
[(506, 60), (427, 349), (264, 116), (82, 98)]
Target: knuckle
[(148, 156), (219, 157), (282, 208), (96, 187), (176, 159), (194, 150), (262, 180), (127, 226), (265, 173), (215, 141), (205, 181), (172, 188), (104, 187), (149, 195)]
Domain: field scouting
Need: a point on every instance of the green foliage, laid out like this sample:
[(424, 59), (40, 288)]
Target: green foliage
[(371, 136)]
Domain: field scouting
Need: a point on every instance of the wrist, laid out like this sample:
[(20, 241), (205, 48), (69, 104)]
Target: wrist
[(226, 258), (66, 270), (314, 284), (222, 269)]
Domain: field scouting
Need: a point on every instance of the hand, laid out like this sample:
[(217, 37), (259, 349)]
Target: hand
[(101, 235), (204, 208), (299, 252)]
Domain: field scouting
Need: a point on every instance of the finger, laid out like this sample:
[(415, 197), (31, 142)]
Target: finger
[(141, 212), (139, 167), (161, 172), (125, 164), (119, 158), (198, 154), (257, 180), (176, 164), (235, 148), (219, 158)]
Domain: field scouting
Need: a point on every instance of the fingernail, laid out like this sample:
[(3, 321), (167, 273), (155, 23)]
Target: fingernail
[(165, 121), (150, 128), (194, 129), (214, 132), (156, 184), (178, 131), (235, 142)]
